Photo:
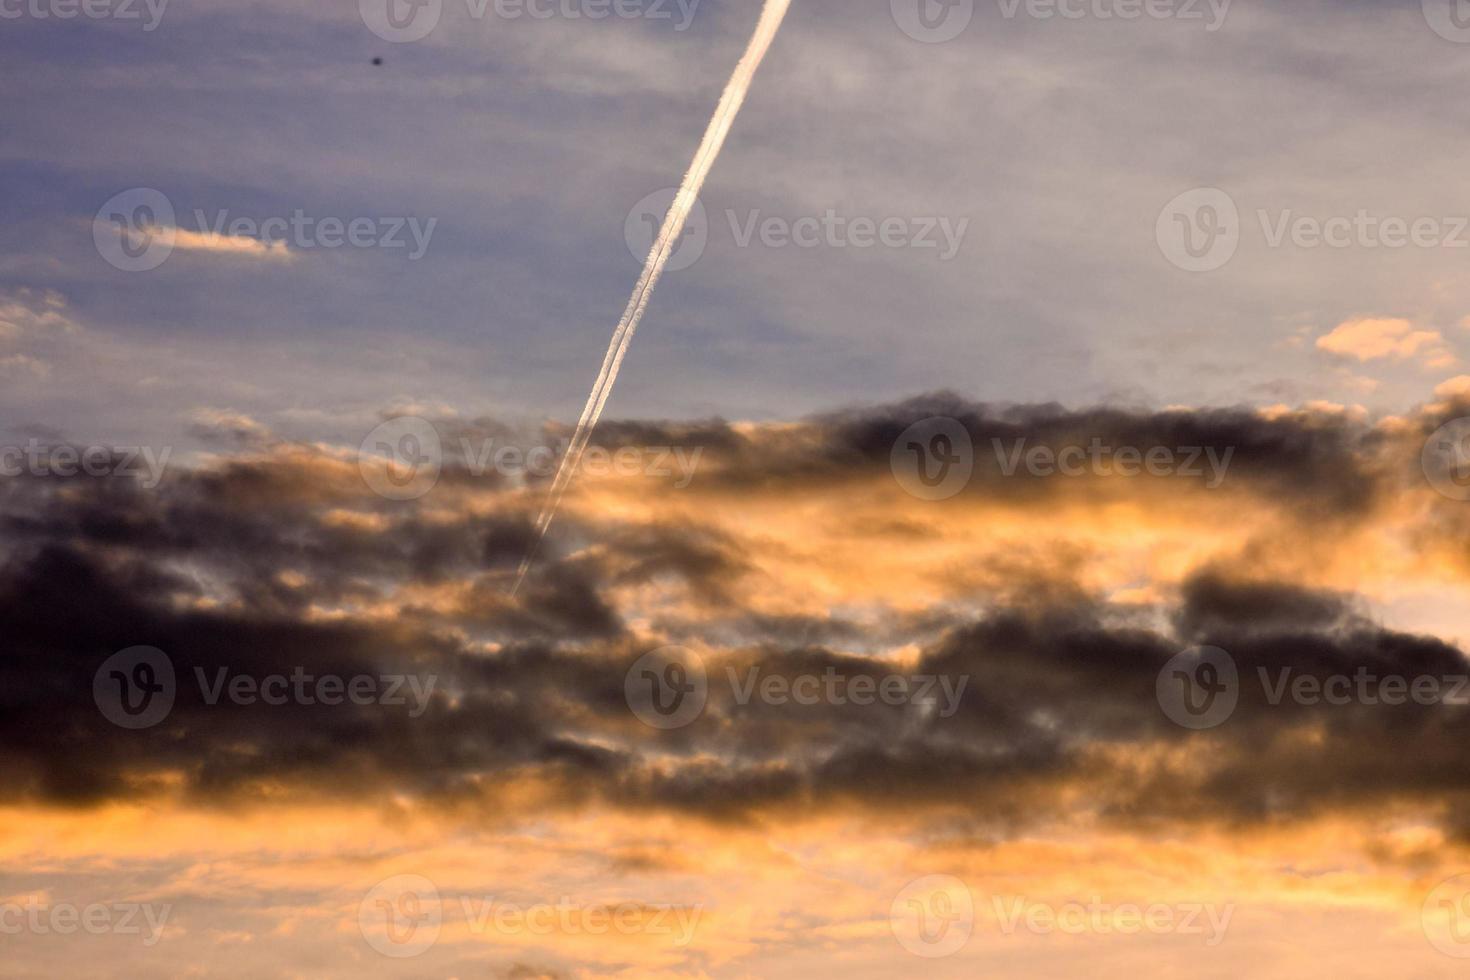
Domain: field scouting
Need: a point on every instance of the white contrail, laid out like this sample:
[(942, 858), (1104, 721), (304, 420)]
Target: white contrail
[(673, 226)]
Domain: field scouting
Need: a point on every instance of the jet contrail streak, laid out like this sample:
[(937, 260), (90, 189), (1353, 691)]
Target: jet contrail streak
[(714, 138)]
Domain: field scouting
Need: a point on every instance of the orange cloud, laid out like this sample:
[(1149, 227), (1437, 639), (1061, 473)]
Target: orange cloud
[(1372, 339)]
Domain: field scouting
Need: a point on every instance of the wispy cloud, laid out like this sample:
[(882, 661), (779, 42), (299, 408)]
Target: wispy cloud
[(233, 245), (1374, 339)]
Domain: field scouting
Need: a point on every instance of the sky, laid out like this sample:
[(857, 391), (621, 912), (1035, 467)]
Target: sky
[(1026, 536)]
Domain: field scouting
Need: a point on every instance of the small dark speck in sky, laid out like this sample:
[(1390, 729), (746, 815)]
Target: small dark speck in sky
[(377, 61)]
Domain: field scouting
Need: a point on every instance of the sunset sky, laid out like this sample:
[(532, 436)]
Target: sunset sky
[(1028, 536)]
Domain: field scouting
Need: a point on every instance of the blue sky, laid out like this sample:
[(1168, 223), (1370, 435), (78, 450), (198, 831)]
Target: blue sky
[(528, 141)]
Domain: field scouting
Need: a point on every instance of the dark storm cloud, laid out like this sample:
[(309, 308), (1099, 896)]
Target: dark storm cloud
[(1328, 462), (236, 565)]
